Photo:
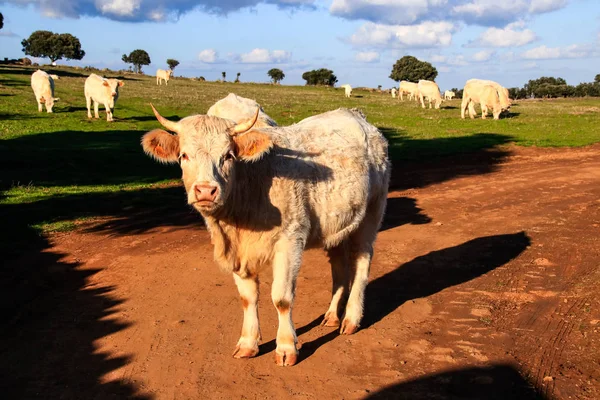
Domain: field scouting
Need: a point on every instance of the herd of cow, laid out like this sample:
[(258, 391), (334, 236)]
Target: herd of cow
[(490, 95), (267, 193)]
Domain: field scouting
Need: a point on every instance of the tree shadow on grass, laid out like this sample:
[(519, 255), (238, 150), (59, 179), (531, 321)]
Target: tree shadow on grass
[(20, 117), (422, 162), (68, 158), (495, 382), (149, 118), (67, 73)]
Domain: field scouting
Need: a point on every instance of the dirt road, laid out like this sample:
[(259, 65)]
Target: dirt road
[(484, 284)]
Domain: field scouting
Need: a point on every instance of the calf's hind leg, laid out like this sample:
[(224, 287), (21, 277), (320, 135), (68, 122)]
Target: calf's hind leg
[(338, 257), (360, 255)]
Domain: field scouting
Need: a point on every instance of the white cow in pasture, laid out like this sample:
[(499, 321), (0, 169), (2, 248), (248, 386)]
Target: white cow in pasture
[(163, 75), (474, 88), (101, 91), (394, 91), (43, 89), (410, 89), (505, 101), (347, 90), (488, 96), (449, 95), (431, 91), (239, 109), (54, 76)]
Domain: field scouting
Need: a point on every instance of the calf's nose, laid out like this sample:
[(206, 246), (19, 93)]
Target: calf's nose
[(206, 192)]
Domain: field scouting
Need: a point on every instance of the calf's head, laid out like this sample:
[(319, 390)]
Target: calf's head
[(207, 149), (112, 90)]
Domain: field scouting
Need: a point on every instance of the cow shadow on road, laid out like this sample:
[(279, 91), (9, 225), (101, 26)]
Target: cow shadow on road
[(496, 382), (401, 211), (425, 276)]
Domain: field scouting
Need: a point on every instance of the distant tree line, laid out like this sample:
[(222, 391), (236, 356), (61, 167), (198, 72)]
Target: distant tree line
[(551, 87)]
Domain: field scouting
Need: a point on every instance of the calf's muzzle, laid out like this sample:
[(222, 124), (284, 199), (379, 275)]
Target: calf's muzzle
[(205, 192)]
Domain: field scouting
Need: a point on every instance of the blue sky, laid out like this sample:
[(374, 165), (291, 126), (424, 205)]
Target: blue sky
[(510, 41)]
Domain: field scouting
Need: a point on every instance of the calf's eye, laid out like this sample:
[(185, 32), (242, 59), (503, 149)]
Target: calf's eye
[(229, 156), (183, 157)]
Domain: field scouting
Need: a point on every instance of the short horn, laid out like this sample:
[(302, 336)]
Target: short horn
[(170, 125), (246, 125)]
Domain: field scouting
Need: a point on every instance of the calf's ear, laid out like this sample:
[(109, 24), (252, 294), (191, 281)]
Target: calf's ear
[(161, 145), (121, 83), (251, 146)]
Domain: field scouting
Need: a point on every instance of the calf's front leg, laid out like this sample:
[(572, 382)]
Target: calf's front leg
[(109, 115), (286, 264), (247, 346)]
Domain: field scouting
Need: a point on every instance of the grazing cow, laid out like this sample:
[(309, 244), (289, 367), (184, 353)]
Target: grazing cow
[(505, 102), (54, 76), (163, 75), (394, 93), (239, 109), (431, 91), (486, 95), (347, 90), (449, 95), (409, 88), (266, 194), (43, 89), (102, 91)]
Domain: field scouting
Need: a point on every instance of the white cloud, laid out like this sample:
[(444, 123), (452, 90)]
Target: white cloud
[(148, 10), (542, 6), (7, 33), (548, 53), (458, 60), (511, 36), (423, 35), (121, 8), (481, 12), (483, 55), (386, 11), (367, 57), (491, 12), (208, 56), (264, 56)]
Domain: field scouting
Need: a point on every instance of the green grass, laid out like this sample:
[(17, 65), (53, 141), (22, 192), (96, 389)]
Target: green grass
[(59, 168)]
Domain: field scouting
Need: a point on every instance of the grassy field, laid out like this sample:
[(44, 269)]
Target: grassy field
[(60, 170)]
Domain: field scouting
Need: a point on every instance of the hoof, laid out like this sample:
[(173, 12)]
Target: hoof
[(245, 352), (331, 320), (348, 328), (286, 355)]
